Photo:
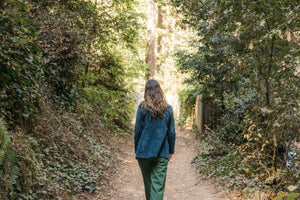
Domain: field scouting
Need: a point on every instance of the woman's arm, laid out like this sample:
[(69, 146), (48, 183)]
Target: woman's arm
[(138, 127), (171, 132)]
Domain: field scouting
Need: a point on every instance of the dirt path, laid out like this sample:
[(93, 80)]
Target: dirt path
[(183, 182)]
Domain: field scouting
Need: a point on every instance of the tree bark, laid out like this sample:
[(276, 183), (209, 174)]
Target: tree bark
[(159, 39), (150, 52)]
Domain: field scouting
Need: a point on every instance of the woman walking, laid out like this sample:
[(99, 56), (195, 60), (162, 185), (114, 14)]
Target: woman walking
[(154, 139)]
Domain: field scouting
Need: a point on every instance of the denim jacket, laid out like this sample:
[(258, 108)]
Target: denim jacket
[(154, 137)]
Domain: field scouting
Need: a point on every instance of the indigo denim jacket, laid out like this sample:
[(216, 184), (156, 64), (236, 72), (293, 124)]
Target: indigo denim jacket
[(154, 137)]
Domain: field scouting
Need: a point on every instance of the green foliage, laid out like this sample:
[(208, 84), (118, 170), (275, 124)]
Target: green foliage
[(187, 98), (19, 167), (246, 60), (289, 196), (75, 179), (78, 56), (236, 107), (115, 108), (219, 160), (4, 140), (88, 45), (57, 47), (19, 63), (28, 183), (72, 154)]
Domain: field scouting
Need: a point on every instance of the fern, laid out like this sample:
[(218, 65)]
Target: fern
[(9, 170), (4, 139), (1, 156), (13, 167)]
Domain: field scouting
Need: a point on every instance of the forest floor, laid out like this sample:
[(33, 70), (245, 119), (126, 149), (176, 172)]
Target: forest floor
[(183, 181)]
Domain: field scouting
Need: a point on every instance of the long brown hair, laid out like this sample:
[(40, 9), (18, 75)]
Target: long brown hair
[(154, 99)]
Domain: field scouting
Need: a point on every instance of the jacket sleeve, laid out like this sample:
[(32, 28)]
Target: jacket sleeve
[(138, 127), (171, 132)]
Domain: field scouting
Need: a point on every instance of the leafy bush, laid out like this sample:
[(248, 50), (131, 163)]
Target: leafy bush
[(62, 87), (246, 62), (58, 47), (187, 98), (18, 166), (115, 108), (20, 70)]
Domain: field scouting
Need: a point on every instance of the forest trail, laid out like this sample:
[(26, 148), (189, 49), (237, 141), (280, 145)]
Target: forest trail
[(183, 181)]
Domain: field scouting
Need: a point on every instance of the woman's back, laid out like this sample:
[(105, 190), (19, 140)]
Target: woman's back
[(154, 139), (154, 136)]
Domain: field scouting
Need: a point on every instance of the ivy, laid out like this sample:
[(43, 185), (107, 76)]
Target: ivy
[(19, 64)]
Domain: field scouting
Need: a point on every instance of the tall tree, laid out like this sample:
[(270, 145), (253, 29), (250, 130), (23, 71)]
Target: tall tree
[(150, 52), (160, 37)]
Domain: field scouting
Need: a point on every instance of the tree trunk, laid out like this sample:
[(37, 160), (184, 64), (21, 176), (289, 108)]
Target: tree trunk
[(150, 52), (159, 39)]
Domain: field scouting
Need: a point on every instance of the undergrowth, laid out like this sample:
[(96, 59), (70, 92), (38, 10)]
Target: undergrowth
[(66, 154), (78, 158), (235, 172)]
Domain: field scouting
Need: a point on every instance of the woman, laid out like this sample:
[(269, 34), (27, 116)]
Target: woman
[(154, 139)]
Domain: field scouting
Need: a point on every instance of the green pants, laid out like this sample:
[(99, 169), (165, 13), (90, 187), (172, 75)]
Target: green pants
[(154, 171)]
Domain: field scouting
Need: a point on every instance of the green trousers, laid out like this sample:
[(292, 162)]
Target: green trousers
[(154, 171)]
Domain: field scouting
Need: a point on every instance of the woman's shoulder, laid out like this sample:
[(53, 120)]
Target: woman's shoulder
[(170, 108), (141, 107), (142, 104)]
